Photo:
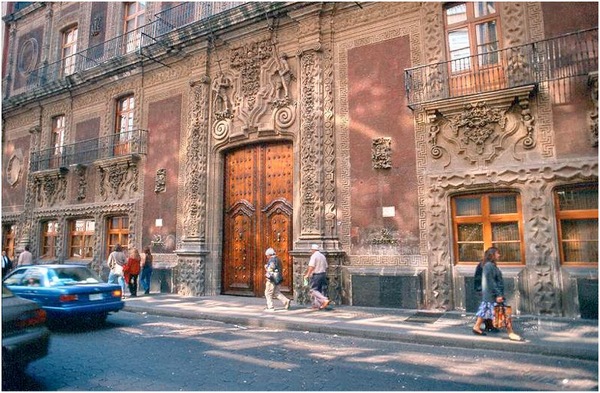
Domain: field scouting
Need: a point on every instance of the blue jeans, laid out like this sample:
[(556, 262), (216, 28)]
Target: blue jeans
[(145, 279), (318, 282), (117, 279)]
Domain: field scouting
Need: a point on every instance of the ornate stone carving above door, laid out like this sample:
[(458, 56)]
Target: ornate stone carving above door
[(479, 129)]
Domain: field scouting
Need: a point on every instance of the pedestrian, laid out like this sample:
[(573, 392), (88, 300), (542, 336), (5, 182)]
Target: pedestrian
[(132, 270), (116, 261), (6, 264), (492, 288), (26, 258), (317, 273), (489, 323), (274, 278), (145, 277)]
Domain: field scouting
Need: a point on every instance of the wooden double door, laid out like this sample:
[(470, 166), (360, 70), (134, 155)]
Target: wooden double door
[(257, 215)]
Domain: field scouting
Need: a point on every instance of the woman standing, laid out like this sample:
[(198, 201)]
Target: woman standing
[(492, 288), (132, 270), (146, 270)]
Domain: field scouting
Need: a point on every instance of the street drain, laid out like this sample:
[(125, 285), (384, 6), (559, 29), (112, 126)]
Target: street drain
[(424, 317)]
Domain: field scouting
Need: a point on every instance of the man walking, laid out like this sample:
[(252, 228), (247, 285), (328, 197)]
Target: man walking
[(25, 258), (317, 273)]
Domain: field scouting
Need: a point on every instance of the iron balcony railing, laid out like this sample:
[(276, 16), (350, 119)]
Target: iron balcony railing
[(88, 151), (57, 74), (566, 56)]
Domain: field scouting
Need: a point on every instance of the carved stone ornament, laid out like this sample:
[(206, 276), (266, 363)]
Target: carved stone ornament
[(28, 56), (51, 186), (96, 26), (14, 167), (479, 131), (381, 153), (160, 184), (593, 83), (81, 171), (118, 178)]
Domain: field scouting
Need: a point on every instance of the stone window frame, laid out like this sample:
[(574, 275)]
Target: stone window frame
[(49, 240), (470, 23), (83, 234), (581, 214), (68, 49), (488, 220)]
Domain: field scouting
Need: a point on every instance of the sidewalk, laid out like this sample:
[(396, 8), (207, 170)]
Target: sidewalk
[(563, 337)]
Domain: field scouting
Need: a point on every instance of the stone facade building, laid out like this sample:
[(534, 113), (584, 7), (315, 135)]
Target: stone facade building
[(404, 138)]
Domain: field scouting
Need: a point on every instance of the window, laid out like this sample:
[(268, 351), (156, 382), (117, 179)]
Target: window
[(472, 29), (49, 239), (577, 217), (124, 124), (118, 232), (485, 220), (69, 48), (82, 239), (134, 18), (8, 240)]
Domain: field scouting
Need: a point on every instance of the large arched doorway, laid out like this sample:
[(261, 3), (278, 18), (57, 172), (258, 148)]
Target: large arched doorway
[(257, 215)]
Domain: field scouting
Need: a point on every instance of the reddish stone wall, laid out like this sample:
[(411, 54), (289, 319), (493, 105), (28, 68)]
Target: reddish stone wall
[(89, 129), (572, 120), (378, 108), (15, 195), (164, 129), (566, 17)]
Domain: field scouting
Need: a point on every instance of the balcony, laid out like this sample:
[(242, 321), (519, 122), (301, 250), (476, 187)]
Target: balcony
[(566, 56), (133, 142), (118, 53)]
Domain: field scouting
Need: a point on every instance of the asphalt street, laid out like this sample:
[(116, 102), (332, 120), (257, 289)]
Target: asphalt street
[(145, 352)]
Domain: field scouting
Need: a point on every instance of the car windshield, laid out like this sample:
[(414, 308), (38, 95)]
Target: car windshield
[(68, 275)]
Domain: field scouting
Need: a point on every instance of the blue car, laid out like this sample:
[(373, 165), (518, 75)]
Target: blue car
[(66, 292)]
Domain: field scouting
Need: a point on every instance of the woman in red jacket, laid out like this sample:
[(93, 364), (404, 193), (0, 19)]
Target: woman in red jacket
[(132, 270)]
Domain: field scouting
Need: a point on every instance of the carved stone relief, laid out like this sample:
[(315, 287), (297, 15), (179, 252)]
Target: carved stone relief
[(51, 187), (479, 131), (381, 153), (311, 146), (81, 173), (160, 183), (260, 83), (118, 179), (190, 277), (593, 83), (196, 161), (14, 167)]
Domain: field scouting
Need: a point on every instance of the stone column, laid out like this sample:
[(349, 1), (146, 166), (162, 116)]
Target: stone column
[(190, 271), (317, 210)]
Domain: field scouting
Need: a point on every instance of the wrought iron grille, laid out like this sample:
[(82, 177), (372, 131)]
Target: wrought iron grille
[(562, 57), (56, 74), (88, 151)]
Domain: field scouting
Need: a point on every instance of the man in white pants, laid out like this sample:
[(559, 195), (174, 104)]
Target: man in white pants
[(317, 272)]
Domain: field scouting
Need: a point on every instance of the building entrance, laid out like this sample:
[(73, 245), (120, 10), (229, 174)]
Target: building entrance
[(258, 215)]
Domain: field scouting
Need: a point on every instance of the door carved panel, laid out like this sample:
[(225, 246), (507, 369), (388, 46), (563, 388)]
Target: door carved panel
[(258, 215)]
